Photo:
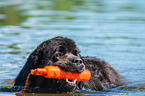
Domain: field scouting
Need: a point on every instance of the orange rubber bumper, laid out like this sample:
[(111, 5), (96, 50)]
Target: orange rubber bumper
[(57, 73)]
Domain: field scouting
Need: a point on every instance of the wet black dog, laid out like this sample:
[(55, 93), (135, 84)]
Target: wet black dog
[(64, 53)]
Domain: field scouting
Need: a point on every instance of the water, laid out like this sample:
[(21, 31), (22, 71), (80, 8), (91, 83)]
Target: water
[(113, 30)]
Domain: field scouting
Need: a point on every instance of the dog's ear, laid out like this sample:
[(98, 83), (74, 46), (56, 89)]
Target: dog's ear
[(36, 59), (31, 62)]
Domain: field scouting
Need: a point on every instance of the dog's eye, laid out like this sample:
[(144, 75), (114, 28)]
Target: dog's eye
[(75, 52), (58, 54)]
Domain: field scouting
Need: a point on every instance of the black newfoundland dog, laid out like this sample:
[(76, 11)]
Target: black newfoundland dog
[(63, 52)]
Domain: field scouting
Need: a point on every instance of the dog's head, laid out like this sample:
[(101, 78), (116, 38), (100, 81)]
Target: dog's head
[(61, 52)]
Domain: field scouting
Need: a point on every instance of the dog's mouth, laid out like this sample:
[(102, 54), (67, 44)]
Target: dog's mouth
[(66, 82), (71, 82), (66, 85)]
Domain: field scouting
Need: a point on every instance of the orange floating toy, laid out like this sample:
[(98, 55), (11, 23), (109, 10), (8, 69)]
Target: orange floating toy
[(57, 73)]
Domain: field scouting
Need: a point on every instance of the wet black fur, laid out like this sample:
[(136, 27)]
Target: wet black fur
[(102, 74)]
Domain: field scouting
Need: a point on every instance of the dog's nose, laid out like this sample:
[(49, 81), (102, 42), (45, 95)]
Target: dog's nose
[(77, 60), (78, 64)]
